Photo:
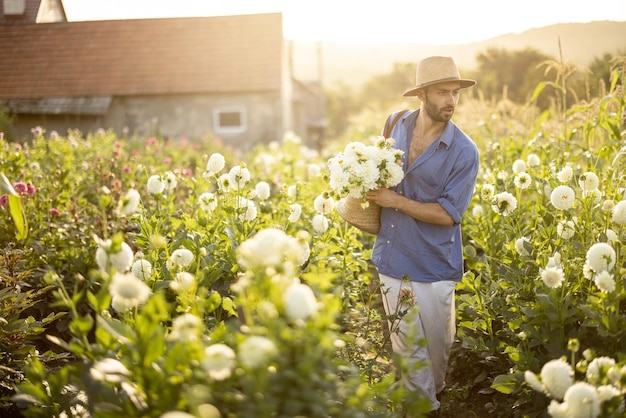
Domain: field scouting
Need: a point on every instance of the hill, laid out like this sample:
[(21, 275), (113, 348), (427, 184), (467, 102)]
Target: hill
[(355, 63)]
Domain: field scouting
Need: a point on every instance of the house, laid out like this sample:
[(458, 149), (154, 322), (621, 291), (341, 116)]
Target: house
[(223, 76)]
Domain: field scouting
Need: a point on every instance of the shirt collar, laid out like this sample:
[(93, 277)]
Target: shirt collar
[(446, 136)]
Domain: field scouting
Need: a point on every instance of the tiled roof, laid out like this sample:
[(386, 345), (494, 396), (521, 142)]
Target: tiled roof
[(142, 57)]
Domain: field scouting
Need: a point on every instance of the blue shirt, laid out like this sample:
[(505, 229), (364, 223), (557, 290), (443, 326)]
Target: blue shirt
[(444, 173)]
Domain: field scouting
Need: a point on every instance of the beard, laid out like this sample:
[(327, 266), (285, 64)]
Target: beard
[(437, 114)]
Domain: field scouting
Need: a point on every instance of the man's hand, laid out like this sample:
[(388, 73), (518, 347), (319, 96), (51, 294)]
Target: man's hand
[(385, 198)]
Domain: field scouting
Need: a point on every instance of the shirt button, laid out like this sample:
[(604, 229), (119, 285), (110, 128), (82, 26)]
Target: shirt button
[(392, 225), (388, 242)]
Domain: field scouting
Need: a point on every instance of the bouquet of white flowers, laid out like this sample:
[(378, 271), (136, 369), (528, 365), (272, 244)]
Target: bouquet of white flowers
[(359, 169)]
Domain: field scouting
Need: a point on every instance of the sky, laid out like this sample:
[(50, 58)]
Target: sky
[(434, 22)]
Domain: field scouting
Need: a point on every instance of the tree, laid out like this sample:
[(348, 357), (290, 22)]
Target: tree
[(511, 73), (6, 122), (341, 103)]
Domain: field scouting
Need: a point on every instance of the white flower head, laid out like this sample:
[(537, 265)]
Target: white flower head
[(292, 191), (566, 228), (238, 176), (324, 204), (270, 248), (565, 175), (553, 277), (360, 168), (555, 260), (120, 260), (534, 382), (219, 361), (208, 202), (246, 209), (224, 183), (605, 282), (129, 203), (178, 414), (262, 190), (156, 186), (519, 166), (183, 282), (598, 368), (558, 410), (181, 257), (186, 328), (619, 213), (142, 269), (314, 170), (594, 195), (533, 160), (109, 370), (557, 376), (487, 192), (127, 292), (522, 180), (320, 223), (601, 257), (562, 197), (169, 179), (295, 212), (215, 164), (256, 351), (504, 203), (521, 246), (607, 392), (611, 236), (300, 302), (582, 401), (588, 181), (608, 205), (478, 211)]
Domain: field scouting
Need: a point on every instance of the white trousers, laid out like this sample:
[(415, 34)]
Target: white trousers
[(430, 316)]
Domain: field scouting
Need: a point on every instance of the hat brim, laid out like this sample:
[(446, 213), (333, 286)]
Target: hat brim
[(465, 83)]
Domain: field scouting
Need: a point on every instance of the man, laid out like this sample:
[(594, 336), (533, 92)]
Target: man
[(418, 250)]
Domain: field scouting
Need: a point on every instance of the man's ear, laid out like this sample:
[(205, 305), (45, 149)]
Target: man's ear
[(421, 93)]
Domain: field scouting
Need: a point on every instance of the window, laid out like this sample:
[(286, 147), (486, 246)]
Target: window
[(229, 120)]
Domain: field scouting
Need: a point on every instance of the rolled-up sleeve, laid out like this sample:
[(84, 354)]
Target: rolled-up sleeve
[(459, 189)]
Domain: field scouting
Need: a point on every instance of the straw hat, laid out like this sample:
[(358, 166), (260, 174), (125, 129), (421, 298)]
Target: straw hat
[(366, 219), (434, 70)]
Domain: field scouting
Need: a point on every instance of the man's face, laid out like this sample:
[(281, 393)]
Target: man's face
[(440, 100)]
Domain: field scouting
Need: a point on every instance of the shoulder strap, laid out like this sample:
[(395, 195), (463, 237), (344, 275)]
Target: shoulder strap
[(389, 126)]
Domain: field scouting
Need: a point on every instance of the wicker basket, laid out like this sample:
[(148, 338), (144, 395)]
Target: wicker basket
[(366, 219)]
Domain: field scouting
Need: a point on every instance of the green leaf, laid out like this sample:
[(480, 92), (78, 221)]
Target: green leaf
[(17, 213), (229, 306), (505, 383), (81, 325), (212, 302), (6, 187), (15, 207), (117, 329)]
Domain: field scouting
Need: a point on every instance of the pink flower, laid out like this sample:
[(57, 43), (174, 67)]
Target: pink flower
[(4, 199), (55, 212), (116, 184), (30, 189), (20, 187), (126, 170)]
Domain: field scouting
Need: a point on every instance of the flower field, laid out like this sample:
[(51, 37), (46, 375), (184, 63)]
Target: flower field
[(152, 277)]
